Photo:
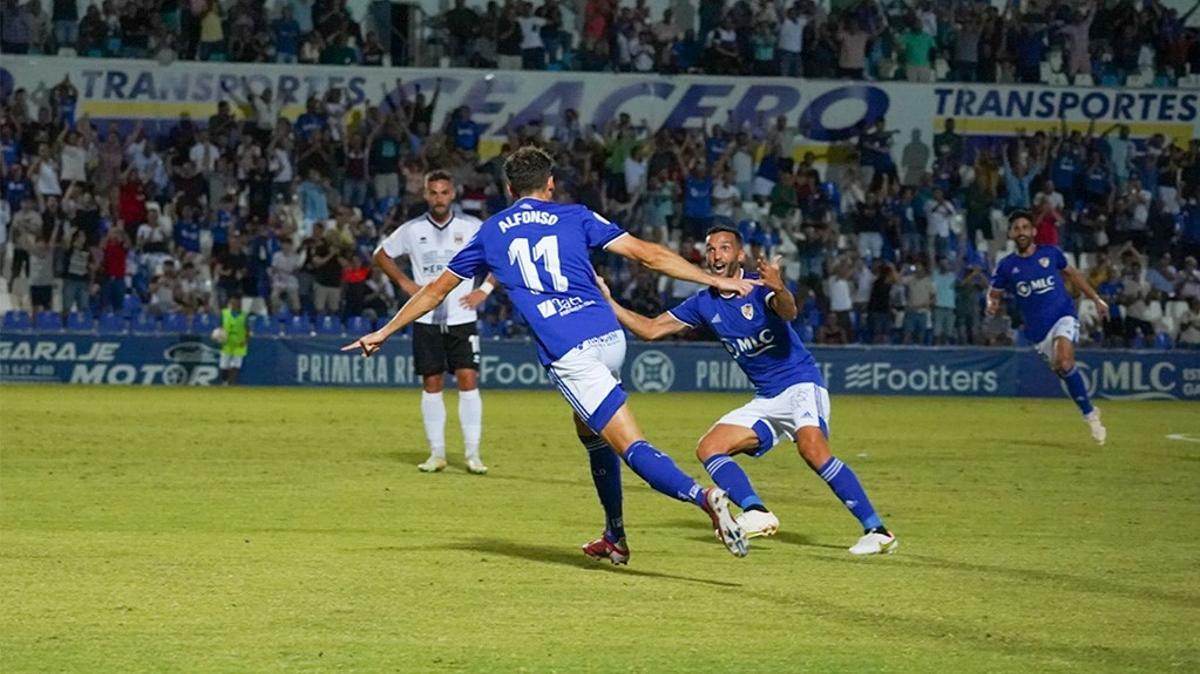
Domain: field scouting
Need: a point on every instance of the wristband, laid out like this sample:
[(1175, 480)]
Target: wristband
[(487, 287)]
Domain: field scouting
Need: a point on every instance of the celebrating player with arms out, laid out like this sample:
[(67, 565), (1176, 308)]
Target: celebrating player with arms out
[(445, 339), (1035, 275), (790, 400), (540, 251)]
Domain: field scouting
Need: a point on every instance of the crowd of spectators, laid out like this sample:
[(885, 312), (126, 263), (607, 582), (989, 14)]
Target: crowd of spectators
[(1127, 42), (892, 245)]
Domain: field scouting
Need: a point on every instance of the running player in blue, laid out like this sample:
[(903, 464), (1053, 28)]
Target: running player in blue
[(790, 397), (1037, 277), (540, 251)]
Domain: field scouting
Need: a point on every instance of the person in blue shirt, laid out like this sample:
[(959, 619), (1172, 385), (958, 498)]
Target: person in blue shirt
[(790, 396), (463, 131), (286, 32), (187, 231), (1037, 278), (697, 201), (540, 252), (311, 120)]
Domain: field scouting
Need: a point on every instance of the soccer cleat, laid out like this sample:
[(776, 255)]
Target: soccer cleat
[(602, 548), (758, 523), (432, 465), (1099, 432), (476, 467), (728, 531), (875, 543)]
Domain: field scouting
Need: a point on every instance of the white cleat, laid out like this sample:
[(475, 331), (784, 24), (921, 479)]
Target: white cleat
[(1099, 432), (758, 523), (432, 465), (476, 467), (728, 531), (875, 544)]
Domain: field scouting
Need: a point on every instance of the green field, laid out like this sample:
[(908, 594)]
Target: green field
[(263, 529)]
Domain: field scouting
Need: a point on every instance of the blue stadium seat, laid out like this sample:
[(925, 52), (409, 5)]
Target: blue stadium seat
[(262, 326), (298, 326), (1162, 341), (80, 321), (131, 306), (329, 326), (175, 323), (143, 324), (357, 325), (202, 324), (112, 324), (18, 320), (806, 334), (48, 321)]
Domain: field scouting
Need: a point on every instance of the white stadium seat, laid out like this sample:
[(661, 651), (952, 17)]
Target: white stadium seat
[(1176, 309), (1070, 259)]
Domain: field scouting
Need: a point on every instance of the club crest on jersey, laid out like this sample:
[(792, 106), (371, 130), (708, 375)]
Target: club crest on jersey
[(458, 238), (1045, 262), (748, 311)]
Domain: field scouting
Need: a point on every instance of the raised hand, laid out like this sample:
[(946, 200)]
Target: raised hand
[(771, 272), (369, 344)]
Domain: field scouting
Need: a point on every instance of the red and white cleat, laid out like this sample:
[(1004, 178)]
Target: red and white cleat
[(602, 548)]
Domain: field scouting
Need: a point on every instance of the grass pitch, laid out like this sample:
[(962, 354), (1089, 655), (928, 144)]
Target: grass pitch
[(258, 530)]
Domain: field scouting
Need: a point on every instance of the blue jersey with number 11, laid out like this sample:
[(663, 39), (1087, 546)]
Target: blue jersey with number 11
[(540, 252)]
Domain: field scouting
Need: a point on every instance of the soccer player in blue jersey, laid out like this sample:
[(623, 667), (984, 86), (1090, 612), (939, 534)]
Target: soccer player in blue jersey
[(1037, 276), (540, 251), (790, 397)]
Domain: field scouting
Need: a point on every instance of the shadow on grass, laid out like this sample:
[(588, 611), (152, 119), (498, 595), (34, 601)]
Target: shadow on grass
[(545, 554), (785, 537), (1089, 584)]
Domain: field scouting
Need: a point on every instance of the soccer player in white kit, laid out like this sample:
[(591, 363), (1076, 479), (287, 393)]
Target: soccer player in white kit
[(446, 339)]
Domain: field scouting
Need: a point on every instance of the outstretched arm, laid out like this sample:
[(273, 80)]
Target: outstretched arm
[(424, 301), (1077, 279), (646, 328), (663, 261)]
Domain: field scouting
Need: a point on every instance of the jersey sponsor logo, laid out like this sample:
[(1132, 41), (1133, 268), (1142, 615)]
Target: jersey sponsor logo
[(527, 217), (748, 311), (1038, 286), (752, 346), (652, 372), (564, 306)]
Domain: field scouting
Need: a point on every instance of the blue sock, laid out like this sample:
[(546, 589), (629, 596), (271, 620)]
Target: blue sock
[(730, 477), (1078, 390), (606, 475), (661, 473), (848, 489)]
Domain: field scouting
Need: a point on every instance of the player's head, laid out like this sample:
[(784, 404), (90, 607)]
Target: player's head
[(1021, 229), (529, 170), (723, 250), (235, 302), (439, 193)]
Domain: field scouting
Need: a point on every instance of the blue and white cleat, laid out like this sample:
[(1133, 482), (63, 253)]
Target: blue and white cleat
[(728, 531)]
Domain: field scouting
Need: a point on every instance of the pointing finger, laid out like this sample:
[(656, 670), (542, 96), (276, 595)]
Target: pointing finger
[(352, 346)]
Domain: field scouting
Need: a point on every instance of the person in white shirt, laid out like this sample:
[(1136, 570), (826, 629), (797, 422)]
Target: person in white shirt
[(445, 338), (791, 43), (1049, 195), (939, 216), (204, 153), (285, 285), (726, 196), (533, 49)]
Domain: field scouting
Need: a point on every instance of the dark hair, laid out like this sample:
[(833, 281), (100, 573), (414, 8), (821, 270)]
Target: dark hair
[(724, 228), (527, 170), (1019, 214), (434, 176)]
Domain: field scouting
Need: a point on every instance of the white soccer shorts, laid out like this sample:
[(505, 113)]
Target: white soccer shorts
[(798, 406), (230, 361), (589, 377), (1067, 326)]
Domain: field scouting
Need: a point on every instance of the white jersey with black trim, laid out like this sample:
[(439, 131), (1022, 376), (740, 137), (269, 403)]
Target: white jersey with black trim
[(429, 247)]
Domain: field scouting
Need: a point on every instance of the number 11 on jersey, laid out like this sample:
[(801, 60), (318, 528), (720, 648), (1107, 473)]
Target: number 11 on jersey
[(545, 250)]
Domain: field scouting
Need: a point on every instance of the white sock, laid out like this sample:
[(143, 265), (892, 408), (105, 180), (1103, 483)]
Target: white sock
[(433, 411), (470, 415)]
